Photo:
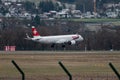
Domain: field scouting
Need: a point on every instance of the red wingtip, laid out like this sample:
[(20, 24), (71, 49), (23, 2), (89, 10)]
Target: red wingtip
[(34, 32)]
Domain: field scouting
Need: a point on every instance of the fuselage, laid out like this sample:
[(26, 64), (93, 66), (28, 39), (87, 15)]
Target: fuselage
[(58, 39)]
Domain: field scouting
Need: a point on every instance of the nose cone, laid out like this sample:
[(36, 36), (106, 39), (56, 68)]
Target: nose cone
[(81, 38)]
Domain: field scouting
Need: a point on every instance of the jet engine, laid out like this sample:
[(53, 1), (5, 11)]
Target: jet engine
[(72, 42)]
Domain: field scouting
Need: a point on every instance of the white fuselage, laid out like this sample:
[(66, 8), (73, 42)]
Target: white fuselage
[(58, 39)]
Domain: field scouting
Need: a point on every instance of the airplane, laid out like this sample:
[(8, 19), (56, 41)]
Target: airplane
[(58, 39)]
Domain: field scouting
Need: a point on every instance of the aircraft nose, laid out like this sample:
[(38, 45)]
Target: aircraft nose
[(81, 38)]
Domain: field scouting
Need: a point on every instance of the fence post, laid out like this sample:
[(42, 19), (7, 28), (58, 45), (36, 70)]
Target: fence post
[(19, 69), (115, 71), (67, 72)]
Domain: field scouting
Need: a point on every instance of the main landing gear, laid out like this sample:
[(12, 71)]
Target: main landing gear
[(58, 46)]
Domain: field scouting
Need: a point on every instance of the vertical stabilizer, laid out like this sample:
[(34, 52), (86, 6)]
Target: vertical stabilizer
[(35, 32)]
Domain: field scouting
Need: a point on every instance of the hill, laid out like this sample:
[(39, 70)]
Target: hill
[(36, 1)]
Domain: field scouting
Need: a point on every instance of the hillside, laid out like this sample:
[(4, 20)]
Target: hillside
[(36, 1)]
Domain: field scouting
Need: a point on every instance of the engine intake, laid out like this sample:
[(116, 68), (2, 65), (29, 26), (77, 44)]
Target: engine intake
[(72, 42)]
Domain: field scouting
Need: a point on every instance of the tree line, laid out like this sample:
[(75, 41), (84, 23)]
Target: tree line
[(82, 5), (107, 38)]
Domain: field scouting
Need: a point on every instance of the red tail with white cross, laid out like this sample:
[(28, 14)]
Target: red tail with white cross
[(35, 32)]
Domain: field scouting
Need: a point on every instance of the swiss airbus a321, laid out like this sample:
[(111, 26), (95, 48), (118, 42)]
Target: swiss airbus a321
[(59, 39)]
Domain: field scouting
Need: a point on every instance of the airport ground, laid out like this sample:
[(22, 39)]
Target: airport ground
[(43, 65)]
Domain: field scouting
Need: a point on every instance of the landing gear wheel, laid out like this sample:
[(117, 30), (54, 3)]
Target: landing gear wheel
[(53, 45)]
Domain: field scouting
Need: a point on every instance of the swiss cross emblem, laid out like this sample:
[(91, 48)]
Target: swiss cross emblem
[(75, 37), (35, 32)]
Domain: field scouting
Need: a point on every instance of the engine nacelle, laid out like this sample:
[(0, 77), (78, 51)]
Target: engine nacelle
[(72, 42)]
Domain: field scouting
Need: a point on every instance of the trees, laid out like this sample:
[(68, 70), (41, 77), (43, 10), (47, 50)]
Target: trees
[(3, 10), (0, 1), (57, 7), (36, 21), (14, 33), (84, 5), (110, 1), (87, 5), (46, 6), (68, 1), (29, 6)]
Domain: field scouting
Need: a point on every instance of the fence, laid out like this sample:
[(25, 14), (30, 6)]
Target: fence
[(65, 69)]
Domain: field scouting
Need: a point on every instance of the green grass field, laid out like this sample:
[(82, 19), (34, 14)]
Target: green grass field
[(44, 65), (97, 20)]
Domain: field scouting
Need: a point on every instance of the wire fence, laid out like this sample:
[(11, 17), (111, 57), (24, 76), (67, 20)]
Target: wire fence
[(84, 76)]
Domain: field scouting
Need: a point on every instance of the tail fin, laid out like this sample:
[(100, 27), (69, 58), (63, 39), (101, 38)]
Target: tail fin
[(35, 32)]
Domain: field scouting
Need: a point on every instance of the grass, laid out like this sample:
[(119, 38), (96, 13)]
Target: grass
[(97, 20), (44, 65), (117, 23)]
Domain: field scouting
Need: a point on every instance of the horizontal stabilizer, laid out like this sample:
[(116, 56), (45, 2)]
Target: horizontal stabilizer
[(28, 38)]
